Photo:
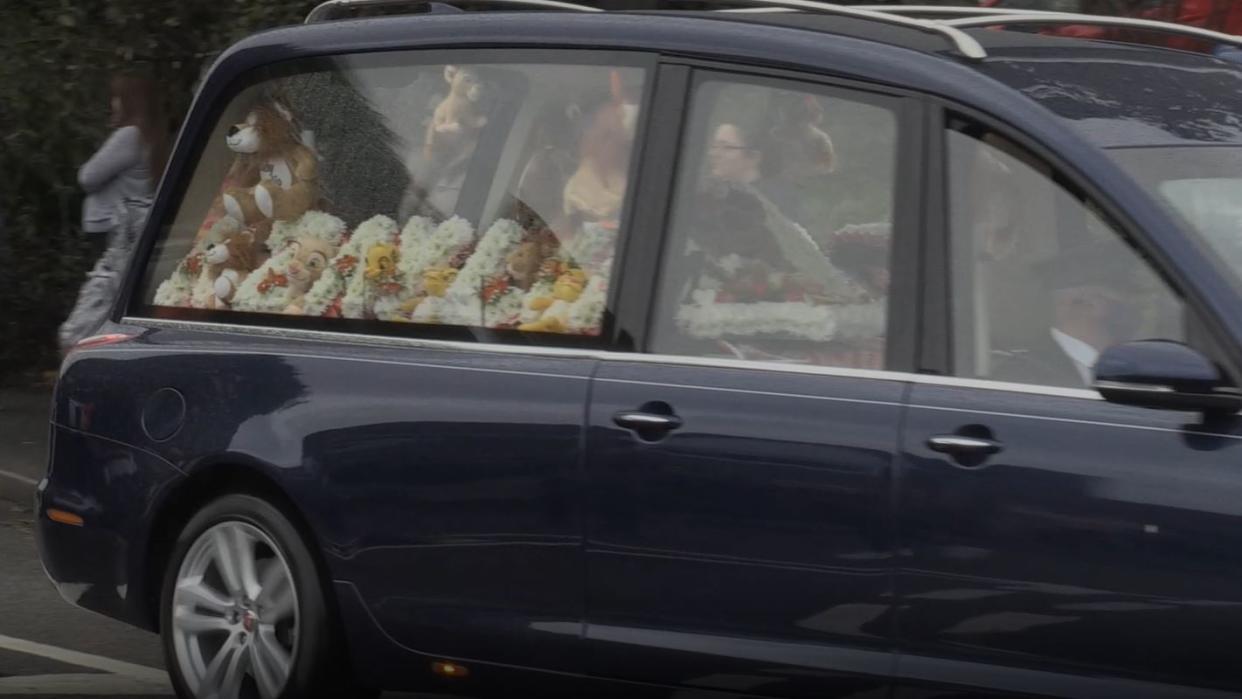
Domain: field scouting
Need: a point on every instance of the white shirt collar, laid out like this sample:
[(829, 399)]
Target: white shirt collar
[(1082, 354)]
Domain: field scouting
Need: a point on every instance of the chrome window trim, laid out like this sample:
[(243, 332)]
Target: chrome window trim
[(1134, 387), (609, 356)]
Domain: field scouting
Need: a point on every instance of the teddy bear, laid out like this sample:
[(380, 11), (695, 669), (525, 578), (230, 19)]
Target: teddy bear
[(804, 148), (228, 261), (596, 189), (459, 117), (275, 175)]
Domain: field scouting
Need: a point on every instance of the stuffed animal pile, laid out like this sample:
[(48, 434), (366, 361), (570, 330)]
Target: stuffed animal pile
[(269, 245)]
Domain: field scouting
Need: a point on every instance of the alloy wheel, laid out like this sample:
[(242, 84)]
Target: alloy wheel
[(235, 614)]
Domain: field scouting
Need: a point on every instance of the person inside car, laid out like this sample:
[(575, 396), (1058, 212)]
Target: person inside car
[(738, 218), (1091, 293)]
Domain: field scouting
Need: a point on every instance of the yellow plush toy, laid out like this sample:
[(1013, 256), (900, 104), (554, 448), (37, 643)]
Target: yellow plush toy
[(436, 281), (566, 290), (381, 262)]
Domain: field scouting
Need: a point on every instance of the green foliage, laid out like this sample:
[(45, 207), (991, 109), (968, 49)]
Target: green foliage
[(59, 55)]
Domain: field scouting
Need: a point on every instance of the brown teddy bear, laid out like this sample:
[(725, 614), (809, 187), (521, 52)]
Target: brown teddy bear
[(596, 189), (229, 261), (275, 175), (459, 117)]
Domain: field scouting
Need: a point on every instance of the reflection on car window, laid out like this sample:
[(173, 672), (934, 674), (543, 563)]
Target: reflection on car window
[(1042, 284), (484, 196), (779, 247)]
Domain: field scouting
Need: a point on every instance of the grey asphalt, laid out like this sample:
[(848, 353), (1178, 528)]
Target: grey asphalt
[(41, 635)]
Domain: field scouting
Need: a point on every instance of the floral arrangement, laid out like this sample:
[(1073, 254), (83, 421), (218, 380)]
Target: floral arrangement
[(342, 289), (593, 249), (424, 245), (484, 271), (574, 304), (179, 288), (267, 289), (428, 258), (707, 317), (190, 285), (423, 273)]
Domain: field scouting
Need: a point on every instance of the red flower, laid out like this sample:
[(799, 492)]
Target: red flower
[(346, 264), (272, 279), (391, 288), (194, 264), (334, 310), (495, 289)]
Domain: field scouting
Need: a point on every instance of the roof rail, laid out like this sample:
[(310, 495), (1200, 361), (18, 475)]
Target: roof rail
[(963, 42), (323, 10), (1093, 20), (950, 10)]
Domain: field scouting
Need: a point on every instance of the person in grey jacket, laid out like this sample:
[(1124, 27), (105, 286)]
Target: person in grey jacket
[(129, 162), (119, 180)]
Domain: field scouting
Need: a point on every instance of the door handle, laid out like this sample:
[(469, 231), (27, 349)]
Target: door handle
[(963, 446), (640, 421)]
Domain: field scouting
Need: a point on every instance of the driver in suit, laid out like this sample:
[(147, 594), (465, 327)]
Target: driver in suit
[(1091, 291)]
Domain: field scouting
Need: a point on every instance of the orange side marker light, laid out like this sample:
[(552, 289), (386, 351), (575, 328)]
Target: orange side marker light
[(447, 669), (65, 517)]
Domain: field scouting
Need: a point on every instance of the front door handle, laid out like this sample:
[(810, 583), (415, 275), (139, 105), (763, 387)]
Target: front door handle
[(963, 446)]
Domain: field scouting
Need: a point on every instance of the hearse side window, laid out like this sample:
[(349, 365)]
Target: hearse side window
[(378, 188), (1041, 282), (780, 238)]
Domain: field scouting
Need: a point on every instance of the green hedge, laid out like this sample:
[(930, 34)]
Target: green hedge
[(59, 55)]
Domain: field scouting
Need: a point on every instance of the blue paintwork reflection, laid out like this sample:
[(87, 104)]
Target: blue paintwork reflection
[(1102, 541)]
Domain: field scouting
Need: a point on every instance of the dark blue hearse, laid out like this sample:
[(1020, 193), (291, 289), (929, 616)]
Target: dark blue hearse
[(771, 348)]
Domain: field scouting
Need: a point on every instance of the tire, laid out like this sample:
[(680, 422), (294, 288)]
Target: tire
[(243, 612)]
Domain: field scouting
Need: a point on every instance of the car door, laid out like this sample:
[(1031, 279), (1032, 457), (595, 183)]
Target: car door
[(1054, 543), (740, 470), (471, 203)]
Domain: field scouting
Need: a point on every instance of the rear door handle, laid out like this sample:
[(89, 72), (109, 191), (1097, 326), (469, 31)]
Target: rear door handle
[(961, 445), (646, 422)]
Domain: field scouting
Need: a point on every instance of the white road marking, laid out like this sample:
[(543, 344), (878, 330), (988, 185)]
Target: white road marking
[(82, 685), (18, 477), (141, 673)]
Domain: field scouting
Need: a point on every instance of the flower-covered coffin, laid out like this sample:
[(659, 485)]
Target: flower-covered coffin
[(510, 277)]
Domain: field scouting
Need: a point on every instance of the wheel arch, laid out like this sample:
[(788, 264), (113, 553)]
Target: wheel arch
[(205, 484)]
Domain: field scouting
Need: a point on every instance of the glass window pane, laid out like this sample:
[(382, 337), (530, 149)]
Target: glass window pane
[(483, 195), (1042, 283), (780, 237)]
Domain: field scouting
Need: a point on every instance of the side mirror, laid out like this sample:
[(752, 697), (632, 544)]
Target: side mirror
[(1164, 375)]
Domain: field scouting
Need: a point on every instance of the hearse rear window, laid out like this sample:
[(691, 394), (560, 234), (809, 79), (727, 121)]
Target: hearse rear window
[(475, 195)]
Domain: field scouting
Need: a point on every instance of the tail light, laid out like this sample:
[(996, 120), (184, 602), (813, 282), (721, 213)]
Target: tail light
[(101, 340)]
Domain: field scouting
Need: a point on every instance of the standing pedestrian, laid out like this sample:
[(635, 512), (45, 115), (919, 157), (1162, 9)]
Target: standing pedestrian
[(129, 162), (119, 180)]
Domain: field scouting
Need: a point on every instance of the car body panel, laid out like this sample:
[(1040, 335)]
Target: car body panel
[(750, 546), (395, 477), (1100, 542)]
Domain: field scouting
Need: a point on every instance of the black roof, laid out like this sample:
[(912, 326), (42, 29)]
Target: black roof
[(1112, 94), (1115, 94)]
